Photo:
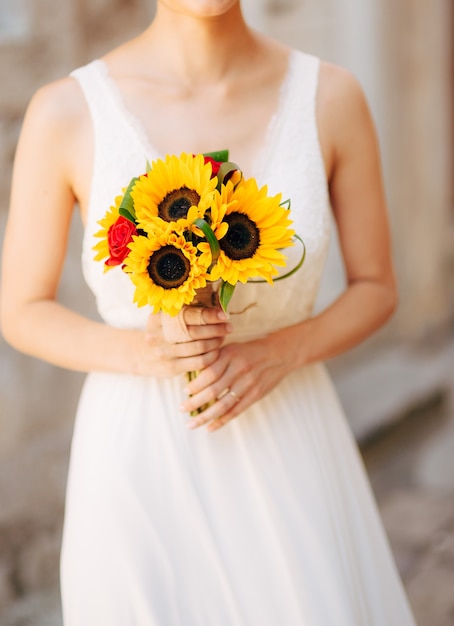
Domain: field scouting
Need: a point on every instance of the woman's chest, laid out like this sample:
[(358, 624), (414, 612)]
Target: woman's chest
[(190, 121)]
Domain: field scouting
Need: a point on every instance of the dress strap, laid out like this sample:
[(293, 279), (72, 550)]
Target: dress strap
[(112, 130), (93, 87), (299, 121), (118, 153), (107, 107), (295, 127)]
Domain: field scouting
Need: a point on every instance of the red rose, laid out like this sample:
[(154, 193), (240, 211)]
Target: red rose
[(215, 165), (118, 237)]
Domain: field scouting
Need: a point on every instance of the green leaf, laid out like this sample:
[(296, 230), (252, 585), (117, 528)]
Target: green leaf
[(127, 209), (300, 263), (286, 204), (292, 271), (127, 215), (225, 170), (225, 294), (148, 166), (221, 155), (210, 237)]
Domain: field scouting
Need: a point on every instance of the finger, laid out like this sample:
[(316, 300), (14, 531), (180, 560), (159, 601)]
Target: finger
[(194, 348), (221, 412), (200, 316), (224, 406), (209, 376), (174, 328), (196, 363), (208, 393), (242, 404), (189, 322), (222, 421), (210, 330), (205, 397)]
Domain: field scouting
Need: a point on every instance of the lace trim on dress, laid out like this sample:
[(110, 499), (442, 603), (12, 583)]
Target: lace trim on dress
[(138, 130), (133, 122), (278, 116)]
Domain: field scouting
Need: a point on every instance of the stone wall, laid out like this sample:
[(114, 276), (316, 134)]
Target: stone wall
[(419, 163), (402, 54), (41, 40)]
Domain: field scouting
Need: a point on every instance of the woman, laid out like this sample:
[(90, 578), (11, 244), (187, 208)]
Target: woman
[(270, 520)]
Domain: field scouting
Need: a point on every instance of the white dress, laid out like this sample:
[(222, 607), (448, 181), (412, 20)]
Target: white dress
[(267, 522)]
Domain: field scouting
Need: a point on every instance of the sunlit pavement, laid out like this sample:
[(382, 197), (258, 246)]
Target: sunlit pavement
[(412, 473)]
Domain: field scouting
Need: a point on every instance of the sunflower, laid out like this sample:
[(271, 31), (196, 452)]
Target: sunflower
[(175, 190), (165, 269), (258, 227), (214, 215)]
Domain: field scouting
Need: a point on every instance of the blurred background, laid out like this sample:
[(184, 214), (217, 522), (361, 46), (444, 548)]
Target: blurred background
[(397, 388)]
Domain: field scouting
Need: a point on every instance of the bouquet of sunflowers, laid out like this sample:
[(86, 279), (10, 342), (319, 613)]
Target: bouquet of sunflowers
[(191, 220)]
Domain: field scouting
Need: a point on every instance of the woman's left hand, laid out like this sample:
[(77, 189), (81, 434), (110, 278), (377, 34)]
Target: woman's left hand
[(242, 374)]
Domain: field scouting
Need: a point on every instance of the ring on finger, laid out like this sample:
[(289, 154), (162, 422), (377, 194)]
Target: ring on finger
[(224, 393), (234, 395)]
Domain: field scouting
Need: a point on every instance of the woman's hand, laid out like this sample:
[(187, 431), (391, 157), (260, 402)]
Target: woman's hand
[(175, 345), (242, 374)]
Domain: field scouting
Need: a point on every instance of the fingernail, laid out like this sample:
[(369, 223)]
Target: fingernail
[(229, 328), (223, 316), (190, 425)]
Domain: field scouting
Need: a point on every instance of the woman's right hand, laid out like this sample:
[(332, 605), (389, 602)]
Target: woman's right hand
[(187, 342)]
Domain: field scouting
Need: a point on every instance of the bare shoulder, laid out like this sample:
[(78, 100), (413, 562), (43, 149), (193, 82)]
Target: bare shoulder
[(57, 126), (55, 117), (58, 104), (343, 113), (340, 90)]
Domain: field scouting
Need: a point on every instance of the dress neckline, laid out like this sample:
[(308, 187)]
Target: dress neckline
[(139, 132)]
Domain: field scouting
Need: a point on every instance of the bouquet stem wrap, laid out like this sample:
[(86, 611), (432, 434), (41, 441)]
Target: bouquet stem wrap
[(206, 296)]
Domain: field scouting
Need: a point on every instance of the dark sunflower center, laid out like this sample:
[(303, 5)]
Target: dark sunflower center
[(177, 203), (242, 238), (168, 267)]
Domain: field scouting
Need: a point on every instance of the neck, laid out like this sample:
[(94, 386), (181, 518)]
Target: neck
[(198, 49)]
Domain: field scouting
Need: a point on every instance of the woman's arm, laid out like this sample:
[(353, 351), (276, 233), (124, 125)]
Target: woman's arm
[(350, 149), (53, 159)]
